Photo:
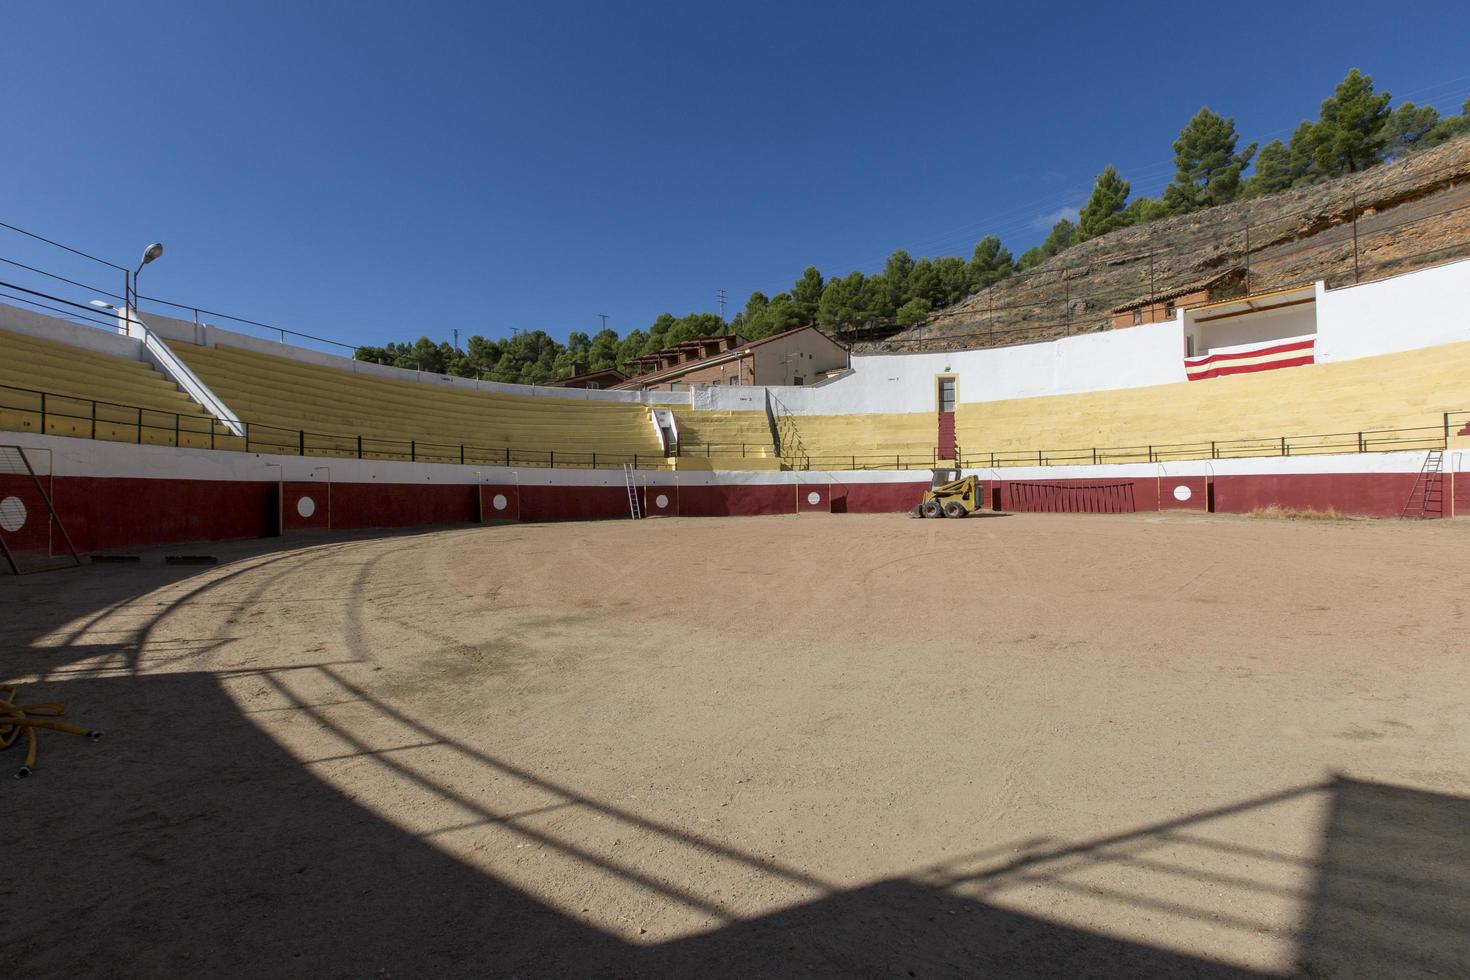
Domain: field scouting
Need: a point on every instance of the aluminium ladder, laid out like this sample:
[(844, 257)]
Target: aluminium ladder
[(1428, 492), (634, 511)]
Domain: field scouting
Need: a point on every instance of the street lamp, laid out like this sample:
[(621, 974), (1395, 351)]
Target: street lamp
[(123, 317), (149, 254)]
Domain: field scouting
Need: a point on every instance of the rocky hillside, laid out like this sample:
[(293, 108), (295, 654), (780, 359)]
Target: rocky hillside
[(1410, 214)]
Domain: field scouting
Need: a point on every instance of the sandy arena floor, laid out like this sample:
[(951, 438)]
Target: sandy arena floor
[(815, 746)]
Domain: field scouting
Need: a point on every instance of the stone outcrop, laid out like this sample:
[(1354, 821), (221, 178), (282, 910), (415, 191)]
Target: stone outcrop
[(1409, 214)]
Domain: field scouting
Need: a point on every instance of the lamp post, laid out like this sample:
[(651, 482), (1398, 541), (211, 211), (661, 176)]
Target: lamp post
[(124, 317), (149, 254)]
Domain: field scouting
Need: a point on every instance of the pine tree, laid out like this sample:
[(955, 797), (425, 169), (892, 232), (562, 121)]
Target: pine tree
[(1350, 135), (1448, 128), (953, 279), (914, 312), (896, 272), (990, 263), (1104, 211), (807, 293), (1273, 170), (1405, 129), (838, 307), (1058, 239), (1207, 168)]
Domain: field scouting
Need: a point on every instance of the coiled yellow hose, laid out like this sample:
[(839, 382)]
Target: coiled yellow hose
[(16, 719)]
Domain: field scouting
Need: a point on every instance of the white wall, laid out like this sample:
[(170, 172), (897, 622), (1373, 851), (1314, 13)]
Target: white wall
[(895, 383), (104, 340), (84, 457), (1407, 312)]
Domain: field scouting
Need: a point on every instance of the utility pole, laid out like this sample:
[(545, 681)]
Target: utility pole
[(604, 320), (456, 338), (720, 295)]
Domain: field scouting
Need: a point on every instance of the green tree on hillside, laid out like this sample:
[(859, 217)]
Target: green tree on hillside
[(1206, 167), (990, 263), (875, 299), (924, 283), (839, 305), (953, 277), (1351, 135), (602, 353), (1284, 166), (1105, 207), (1145, 209), (896, 272), (913, 313), (1448, 128), (807, 293), (1406, 128), (1059, 238)]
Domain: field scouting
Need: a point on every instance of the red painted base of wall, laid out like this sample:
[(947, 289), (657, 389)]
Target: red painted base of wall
[(1362, 494), (104, 514)]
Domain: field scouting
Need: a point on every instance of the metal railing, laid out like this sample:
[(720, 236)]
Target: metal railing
[(53, 413)]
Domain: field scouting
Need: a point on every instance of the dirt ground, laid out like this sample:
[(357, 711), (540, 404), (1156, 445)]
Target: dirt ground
[(1034, 745)]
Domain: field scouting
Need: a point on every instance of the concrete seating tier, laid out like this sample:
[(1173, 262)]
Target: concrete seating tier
[(89, 394), (724, 434), (1321, 408), (870, 441), (325, 410)]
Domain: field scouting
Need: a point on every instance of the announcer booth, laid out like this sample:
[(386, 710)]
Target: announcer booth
[(1256, 332)]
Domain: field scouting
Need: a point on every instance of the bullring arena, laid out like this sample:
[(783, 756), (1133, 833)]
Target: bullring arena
[(397, 679)]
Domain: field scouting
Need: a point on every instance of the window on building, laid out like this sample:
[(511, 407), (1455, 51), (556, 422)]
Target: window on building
[(946, 394), (594, 384), (1137, 317), (715, 382), (798, 380), (1169, 310)]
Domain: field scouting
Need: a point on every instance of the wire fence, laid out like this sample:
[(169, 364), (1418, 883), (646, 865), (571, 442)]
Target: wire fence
[(54, 413)]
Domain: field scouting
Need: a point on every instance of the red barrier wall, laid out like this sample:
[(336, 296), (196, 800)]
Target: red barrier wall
[(108, 513)]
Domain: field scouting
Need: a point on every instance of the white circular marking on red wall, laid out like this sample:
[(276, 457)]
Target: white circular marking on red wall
[(12, 514), (814, 498), (1182, 493), (661, 501), (499, 502), (306, 506)]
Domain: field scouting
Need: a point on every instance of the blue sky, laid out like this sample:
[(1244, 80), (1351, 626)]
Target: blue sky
[(369, 171)]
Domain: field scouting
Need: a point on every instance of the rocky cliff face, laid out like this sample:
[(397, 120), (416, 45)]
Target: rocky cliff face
[(1409, 214)]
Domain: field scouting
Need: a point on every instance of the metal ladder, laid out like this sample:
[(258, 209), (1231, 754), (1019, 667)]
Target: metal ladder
[(634, 511), (1428, 488)]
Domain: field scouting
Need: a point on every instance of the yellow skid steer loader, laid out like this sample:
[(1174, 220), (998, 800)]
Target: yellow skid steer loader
[(950, 495)]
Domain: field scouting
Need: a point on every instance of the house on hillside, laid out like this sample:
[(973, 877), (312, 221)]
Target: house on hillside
[(582, 378), (1162, 306), (796, 357)]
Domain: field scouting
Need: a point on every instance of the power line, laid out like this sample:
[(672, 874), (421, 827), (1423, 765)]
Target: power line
[(65, 248)]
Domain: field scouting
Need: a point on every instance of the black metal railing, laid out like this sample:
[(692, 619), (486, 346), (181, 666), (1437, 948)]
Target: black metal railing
[(53, 413)]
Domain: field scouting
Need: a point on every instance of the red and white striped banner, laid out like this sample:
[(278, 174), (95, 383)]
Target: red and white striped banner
[(1256, 359)]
